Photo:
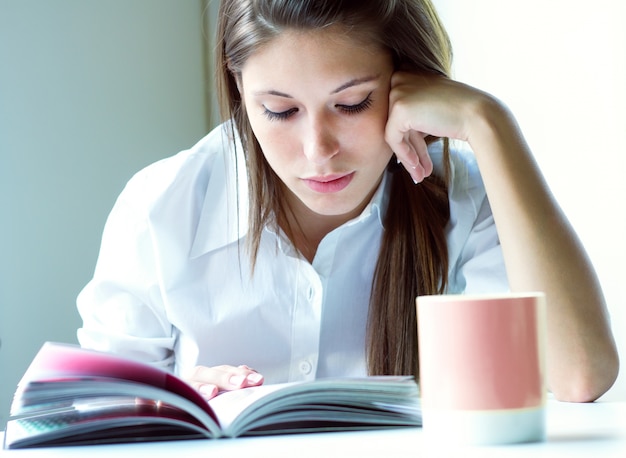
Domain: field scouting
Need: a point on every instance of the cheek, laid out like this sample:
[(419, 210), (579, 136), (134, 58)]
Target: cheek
[(370, 140), (368, 131), (269, 135), (277, 147), (375, 120)]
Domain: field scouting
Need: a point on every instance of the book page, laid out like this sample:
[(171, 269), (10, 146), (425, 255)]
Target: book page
[(229, 405), (322, 404)]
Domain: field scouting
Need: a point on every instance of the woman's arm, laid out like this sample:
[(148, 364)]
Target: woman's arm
[(541, 250)]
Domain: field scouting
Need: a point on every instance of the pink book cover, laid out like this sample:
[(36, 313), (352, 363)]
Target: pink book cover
[(57, 362)]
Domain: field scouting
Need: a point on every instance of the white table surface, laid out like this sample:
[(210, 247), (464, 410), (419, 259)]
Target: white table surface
[(595, 430)]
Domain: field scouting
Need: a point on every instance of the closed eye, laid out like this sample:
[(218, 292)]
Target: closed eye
[(348, 109), (282, 116), (359, 107)]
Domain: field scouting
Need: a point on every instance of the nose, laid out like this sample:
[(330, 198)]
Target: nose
[(320, 143)]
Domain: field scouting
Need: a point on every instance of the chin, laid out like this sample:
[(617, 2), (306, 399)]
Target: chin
[(335, 209)]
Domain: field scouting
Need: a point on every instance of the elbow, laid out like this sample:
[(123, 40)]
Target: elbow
[(590, 383)]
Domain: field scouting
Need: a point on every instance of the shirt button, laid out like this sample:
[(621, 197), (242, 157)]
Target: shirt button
[(311, 293), (305, 367)]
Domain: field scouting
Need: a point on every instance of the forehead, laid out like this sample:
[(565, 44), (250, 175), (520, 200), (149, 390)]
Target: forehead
[(328, 49), (339, 34)]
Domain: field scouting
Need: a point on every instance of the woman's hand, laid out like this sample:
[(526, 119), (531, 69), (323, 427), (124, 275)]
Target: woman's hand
[(422, 105), (209, 381)]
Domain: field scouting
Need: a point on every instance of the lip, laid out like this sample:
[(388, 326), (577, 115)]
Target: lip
[(329, 183)]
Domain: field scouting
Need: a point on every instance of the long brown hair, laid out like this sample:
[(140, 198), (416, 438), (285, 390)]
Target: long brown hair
[(413, 258)]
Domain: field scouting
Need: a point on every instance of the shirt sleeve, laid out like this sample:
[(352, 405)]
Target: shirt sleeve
[(480, 266), (121, 307), (476, 261)]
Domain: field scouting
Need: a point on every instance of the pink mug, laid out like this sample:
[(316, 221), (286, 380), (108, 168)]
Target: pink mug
[(482, 367)]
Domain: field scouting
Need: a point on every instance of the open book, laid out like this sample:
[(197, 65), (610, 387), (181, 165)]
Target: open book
[(71, 396)]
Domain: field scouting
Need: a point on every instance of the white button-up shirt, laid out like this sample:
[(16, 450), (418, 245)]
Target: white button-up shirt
[(173, 284)]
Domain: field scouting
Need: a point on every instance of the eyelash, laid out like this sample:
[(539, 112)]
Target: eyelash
[(347, 109), (359, 107), (282, 116)]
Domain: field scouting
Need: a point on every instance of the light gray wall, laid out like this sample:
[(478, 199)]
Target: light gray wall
[(90, 92)]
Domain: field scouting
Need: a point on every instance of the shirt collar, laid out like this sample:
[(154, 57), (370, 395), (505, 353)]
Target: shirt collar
[(378, 204), (224, 216)]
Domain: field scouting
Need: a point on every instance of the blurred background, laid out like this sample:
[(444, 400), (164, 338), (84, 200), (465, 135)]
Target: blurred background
[(91, 92)]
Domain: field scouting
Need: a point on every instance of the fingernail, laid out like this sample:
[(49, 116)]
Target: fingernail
[(254, 378), (237, 380)]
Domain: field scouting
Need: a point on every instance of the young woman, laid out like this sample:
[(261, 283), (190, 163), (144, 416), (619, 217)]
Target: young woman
[(291, 242)]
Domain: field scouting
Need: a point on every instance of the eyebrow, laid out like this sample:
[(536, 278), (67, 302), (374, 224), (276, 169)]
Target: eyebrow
[(343, 87), (355, 82)]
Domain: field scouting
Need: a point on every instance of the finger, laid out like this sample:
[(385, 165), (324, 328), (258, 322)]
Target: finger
[(245, 380), (417, 140), (230, 377), (417, 146), (399, 143), (253, 378), (208, 390), (413, 170), (225, 378)]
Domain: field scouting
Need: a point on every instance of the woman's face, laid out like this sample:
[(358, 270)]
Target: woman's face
[(318, 104)]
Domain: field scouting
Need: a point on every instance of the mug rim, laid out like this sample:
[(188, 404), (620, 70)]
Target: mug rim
[(481, 296)]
